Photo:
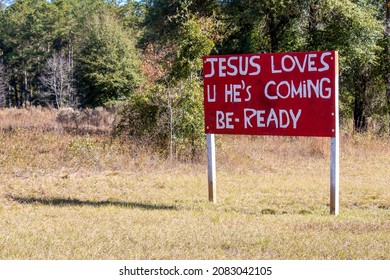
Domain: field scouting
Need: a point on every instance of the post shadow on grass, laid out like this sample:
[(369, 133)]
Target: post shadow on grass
[(63, 202)]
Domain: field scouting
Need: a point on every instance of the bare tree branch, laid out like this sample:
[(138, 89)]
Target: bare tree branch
[(57, 79)]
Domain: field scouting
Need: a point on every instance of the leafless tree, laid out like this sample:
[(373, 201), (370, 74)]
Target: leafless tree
[(57, 79)]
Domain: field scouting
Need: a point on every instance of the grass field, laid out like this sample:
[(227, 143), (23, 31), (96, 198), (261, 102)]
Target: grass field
[(68, 196)]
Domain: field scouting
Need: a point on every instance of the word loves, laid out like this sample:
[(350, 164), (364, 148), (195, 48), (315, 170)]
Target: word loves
[(271, 94)]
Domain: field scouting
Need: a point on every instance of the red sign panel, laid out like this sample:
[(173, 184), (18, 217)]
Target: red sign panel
[(292, 94)]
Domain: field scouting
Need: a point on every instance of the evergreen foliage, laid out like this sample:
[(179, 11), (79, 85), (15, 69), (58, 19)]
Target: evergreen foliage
[(107, 66), (149, 53)]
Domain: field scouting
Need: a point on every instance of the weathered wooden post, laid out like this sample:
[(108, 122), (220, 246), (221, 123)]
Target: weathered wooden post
[(335, 150), (211, 168)]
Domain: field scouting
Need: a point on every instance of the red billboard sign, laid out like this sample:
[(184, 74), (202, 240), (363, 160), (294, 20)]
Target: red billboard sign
[(291, 94)]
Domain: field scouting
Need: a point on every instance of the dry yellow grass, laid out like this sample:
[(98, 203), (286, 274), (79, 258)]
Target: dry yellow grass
[(66, 119), (92, 197)]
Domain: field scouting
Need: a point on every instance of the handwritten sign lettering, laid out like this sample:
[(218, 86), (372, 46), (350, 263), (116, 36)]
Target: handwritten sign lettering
[(290, 94)]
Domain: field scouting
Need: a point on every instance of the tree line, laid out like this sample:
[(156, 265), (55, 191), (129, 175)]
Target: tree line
[(147, 54)]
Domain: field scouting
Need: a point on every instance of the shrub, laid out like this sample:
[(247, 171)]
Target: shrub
[(169, 117)]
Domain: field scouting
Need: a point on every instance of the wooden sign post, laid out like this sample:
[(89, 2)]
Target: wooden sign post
[(211, 168), (286, 94), (335, 151)]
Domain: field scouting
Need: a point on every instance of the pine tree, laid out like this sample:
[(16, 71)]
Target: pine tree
[(108, 64)]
